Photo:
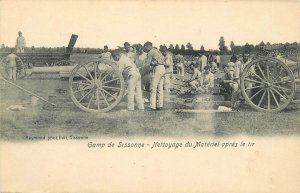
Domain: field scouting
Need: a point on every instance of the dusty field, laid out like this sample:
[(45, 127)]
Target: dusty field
[(66, 119)]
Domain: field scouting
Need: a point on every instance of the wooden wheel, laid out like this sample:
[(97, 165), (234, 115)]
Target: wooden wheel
[(4, 68), (267, 84), (97, 86)]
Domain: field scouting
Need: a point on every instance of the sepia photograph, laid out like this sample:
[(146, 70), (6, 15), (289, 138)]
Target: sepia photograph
[(94, 93)]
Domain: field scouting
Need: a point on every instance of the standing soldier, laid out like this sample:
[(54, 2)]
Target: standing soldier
[(129, 53), (210, 59), (106, 54), (202, 62), (20, 43), (12, 64), (218, 60), (168, 66), (180, 65), (156, 60), (144, 70), (133, 79)]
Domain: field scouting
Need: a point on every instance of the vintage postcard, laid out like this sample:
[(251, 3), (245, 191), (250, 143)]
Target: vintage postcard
[(149, 96)]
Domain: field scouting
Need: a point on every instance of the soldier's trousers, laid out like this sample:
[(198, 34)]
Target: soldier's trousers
[(134, 92), (13, 73), (156, 87), (167, 82)]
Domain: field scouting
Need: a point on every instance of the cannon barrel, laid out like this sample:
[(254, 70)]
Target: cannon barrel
[(63, 71)]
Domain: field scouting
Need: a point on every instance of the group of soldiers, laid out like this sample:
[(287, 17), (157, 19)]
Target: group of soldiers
[(143, 68), (146, 68)]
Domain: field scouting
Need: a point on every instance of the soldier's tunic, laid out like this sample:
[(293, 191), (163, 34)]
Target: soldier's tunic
[(20, 44), (131, 55), (156, 60), (203, 62), (12, 64), (133, 79)]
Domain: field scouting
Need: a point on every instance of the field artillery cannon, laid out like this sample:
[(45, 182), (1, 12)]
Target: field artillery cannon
[(30, 60), (96, 86)]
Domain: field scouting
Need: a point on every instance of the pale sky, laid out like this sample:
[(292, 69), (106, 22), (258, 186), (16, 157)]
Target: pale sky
[(51, 23)]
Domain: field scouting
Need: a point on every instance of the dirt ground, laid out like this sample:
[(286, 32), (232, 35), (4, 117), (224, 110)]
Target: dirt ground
[(67, 119)]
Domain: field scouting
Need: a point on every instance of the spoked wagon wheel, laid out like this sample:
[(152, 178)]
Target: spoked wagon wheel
[(267, 84), (97, 86), (5, 68)]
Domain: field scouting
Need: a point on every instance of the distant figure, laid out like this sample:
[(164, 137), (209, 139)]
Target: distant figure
[(202, 62), (106, 54), (168, 66), (210, 58), (180, 65), (12, 65), (20, 43), (218, 58)]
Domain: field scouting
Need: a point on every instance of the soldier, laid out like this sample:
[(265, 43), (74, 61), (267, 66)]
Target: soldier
[(202, 61), (156, 60), (180, 65), (106, 54), (196, 77), (12, 64), (218, 60), (129, 53), (133, 79), (214, 66), (168, 66), (20, 43), (206, 81), (230, 87), (144, 70)]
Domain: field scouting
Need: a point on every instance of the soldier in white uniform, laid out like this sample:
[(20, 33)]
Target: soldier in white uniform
[(133, 79), (180, 65), (156, 60), (202, 62), (12, 64), (144, 70), (196, 77), (206, 81), (129, 53), (218, 60), (20, 43), (106, 54), (168, 66)]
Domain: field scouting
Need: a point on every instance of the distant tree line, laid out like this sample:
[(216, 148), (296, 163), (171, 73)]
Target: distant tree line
[(182, 49)]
